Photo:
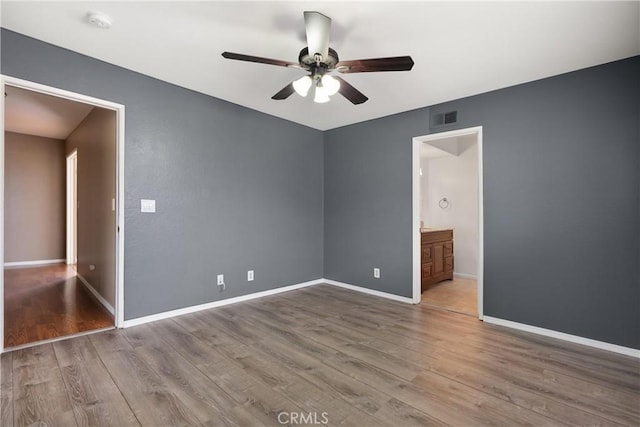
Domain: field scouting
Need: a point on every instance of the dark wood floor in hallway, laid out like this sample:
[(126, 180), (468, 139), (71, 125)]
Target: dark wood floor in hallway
[(323, 352), (48, 302)]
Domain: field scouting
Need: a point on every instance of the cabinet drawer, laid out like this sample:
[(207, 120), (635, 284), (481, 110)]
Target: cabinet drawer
[(426, 253), (448, 264), (448, 249), (436, 236), (426, 271)]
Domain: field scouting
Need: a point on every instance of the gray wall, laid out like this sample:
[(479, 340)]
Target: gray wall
[(238, 189), (561, 197), (235, 189), (368, 194)]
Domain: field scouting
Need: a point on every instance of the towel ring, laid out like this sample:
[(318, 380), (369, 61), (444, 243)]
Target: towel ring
[(443, 203)]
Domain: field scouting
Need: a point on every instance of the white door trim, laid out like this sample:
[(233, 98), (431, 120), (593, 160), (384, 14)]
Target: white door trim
[(71, 213), (417, 141), (119, 109)]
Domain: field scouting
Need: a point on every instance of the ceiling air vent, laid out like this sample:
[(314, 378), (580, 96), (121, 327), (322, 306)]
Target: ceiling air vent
[(444, 119)]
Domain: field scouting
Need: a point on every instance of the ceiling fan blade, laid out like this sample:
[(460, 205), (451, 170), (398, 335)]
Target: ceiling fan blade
[(318, 29), (351, 93), (396, 63), (285, 92), (260, 60)]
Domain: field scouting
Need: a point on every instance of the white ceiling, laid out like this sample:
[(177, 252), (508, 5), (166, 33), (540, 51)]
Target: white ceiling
[(444, 147), (34, 113), (459, 48)]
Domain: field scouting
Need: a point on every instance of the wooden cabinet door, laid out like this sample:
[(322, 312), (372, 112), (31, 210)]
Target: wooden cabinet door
[(438, 259), (426, 253), (426, 275), (448, 249), (426, 271), (448, 264)]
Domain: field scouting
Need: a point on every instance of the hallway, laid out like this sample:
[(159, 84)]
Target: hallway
[(48, 302)]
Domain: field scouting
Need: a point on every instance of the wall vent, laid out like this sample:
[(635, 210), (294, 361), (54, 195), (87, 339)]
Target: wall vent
[(444, 119)]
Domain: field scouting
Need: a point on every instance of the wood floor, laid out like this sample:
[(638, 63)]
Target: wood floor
[(323, 352), (459, 295), (48, 302)]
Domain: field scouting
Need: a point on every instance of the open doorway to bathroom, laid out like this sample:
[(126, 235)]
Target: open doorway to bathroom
[(449, 201)]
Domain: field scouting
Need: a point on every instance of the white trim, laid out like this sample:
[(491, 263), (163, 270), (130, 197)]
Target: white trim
[(465, 276), (234, 300), (415, 232), (96, 294), (34, 262), (2, 213), (59, 93), (120, 150), (119, 301), (213, 304), (71, 213), (370, 291), (563, 336), (480, 276), (415, 223)]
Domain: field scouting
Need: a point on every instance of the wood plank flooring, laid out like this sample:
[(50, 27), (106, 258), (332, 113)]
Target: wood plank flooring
[(47, 302), (320, 352), (459, 295)]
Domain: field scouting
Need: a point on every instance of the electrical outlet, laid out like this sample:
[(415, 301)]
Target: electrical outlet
[(376, 273), (250, 276), (220, 279)]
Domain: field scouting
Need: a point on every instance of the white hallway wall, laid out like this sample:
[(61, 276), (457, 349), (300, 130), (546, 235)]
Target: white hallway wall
[(456, 178)]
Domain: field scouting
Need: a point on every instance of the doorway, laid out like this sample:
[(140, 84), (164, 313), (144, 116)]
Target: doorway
[(31, 112), (448, 221)]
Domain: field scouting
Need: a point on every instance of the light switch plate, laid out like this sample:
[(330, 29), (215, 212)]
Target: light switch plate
[(147, 206)]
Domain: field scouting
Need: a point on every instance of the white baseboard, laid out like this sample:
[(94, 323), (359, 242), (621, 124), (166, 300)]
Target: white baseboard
[(465, 276), (562, 336), (488, 319), (369, 291), (33, 263), (192, 309), (95, 293)]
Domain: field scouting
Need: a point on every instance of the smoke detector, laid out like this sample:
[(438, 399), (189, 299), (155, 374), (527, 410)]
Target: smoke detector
[(99, 20)]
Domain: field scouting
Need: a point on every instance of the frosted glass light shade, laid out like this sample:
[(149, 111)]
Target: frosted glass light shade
[(321, 95), (302, 85), (330, 84)]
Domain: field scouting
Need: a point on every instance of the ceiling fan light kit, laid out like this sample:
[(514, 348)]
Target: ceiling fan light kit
[(321, 95), (324, 61), (302, 85), (331, 85), (325, 87)]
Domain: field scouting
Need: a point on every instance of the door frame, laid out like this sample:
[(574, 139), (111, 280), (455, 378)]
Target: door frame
[(72, 204), (416, 143), (119, 110)]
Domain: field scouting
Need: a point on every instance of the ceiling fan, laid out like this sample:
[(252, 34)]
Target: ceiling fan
[(320, 61)]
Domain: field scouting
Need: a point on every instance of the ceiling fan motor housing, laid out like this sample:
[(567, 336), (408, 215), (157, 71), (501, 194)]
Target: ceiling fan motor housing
[(309, 61)]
